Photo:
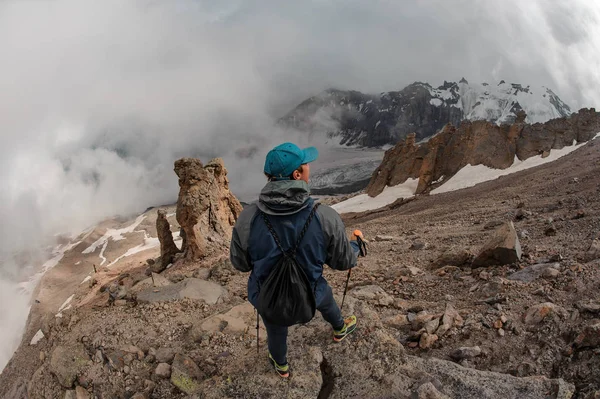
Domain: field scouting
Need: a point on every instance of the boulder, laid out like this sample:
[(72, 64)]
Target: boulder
[(66, 363), (593, 252), (502, 248), (432, 325), (163, 370), (465, 353), (451, 318), (186, 375), (537, 313), (191, 288), (81, 393), (156, 280), (206, 209), (589, 307), (418, 245), (372, 293), (427, 340), (397, 321), (239, 320), (590, 336), (165, 355), (116, 359), (533, 272)]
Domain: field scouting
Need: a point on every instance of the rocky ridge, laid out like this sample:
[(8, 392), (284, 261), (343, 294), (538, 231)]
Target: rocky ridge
[(353, 118), (478, 143)]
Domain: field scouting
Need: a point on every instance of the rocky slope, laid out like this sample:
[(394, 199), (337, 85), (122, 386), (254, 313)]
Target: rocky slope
[(356, 119), (478, 143), (432, 324)]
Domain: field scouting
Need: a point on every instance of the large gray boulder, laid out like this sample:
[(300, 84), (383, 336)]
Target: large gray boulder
[(191, 288), (67, 363), (534, 272)]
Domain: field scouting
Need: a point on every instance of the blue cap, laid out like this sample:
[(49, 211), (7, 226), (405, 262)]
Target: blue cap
[(284, 159)]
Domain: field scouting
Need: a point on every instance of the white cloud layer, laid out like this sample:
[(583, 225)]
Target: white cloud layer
[(98, 98)]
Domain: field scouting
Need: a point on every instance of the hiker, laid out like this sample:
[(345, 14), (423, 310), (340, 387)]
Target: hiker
[(275, 224)]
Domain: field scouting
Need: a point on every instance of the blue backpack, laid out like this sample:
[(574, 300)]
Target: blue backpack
[(286, 297)]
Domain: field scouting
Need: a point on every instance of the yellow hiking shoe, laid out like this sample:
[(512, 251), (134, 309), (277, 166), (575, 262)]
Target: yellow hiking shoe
[(349, 327), (282, 370)]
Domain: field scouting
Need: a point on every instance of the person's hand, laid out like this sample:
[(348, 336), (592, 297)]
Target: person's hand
[(356, 234)]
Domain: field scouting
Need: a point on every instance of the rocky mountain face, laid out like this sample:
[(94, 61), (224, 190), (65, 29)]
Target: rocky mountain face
[(478, 143), (353, 118)]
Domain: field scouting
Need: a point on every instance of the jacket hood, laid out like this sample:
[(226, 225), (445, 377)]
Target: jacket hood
[(284, 197)]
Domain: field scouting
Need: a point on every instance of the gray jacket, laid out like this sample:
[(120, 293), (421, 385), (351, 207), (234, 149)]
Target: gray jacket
[(287, 204)]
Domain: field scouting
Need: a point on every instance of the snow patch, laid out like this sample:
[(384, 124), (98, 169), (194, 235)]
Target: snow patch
[(65, 304), (436, 101), (102, 253), (115, 234), (439, 180), (149, 243), (37, 337), (363, 202)]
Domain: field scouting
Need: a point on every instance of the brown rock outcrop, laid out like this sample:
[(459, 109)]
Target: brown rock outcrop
[(557, 133), (206, 209), (399, 163), (168, 249), (478, 143)]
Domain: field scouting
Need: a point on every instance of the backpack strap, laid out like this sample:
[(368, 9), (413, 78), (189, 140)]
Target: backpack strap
[(291, 252), (305, 228), (272, 231)]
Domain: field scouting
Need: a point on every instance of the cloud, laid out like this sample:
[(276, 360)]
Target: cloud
[(99, 98)]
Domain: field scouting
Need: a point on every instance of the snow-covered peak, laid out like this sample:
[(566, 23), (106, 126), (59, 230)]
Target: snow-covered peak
[(499, 103)]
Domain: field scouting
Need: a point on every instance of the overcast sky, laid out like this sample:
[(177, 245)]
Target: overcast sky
[(98, 98)]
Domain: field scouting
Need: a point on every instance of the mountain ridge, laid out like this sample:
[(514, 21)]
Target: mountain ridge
[(368, 120)]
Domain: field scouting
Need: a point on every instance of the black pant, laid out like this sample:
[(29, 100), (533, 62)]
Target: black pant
[(277, 335)]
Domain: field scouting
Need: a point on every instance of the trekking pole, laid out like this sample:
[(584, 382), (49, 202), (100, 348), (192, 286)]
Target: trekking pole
[(346, 289), (362, 249), (257, 331)]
